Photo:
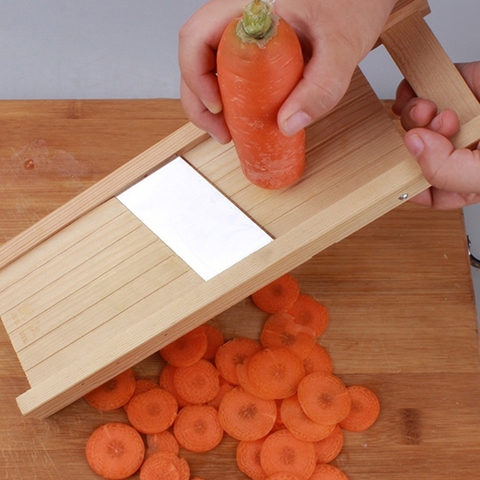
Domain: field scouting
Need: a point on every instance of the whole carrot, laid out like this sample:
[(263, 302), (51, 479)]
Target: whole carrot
[(259, 62)]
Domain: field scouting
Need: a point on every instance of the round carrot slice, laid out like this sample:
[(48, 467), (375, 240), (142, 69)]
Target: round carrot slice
[(197, 428), (197, 383), (153, 411), (142, 385), (324, 398), (187, 349), (166, 382), (113, 394), (162, 442), (275, 373), (308, 312), (329, 448), (318, 360), (299, 424), (215, 340), (364, 411), (281, 330), (165, 466), (248, 458), (282, 452), (283, 476), (232, 353), (326, 471), (115, 450), (246, 417), (278, 295)]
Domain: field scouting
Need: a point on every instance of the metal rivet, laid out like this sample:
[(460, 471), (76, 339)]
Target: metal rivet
[(403, 197)]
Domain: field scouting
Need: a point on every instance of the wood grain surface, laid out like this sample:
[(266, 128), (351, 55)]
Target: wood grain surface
[(399, 293)]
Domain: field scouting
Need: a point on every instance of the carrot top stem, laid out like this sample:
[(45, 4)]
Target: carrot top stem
[(257, 22)]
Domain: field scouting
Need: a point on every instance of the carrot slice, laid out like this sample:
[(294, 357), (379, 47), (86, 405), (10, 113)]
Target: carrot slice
[(197, 428), (248, 458), (115, 450), (253, 89), (225, 387), (153, 411), (329, 448), (142, 385), (310, 313), (215, 340), (318, 360), (197, 383), (165, 466), (233, 353), (326, 471), (162, 442), (301, 426), (275, 373), (113, 394), (283, 476), (324, 398), (280, 330), (187, 349), (166, 382), (278, 295), (364, 411), (246, 417), (282, 452)]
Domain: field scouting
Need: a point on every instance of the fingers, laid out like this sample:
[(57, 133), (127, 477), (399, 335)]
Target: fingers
[(444, 167)]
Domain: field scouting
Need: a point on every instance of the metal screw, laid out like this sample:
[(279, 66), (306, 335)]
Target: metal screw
[(403, 197)]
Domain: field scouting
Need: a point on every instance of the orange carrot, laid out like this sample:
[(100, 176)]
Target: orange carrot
[(324, 398), (310, 313), (162, 442), (282, 452), (326, 471), (278, 295), (113, 394), (197, 428), (225, 387), (275, 373), (254, 82), (115, 450), (246, 417), (233, 353), (215, 340), (280, 329), (197, 383), (329, 448), (153, 411), (283, 476), (301, 426), (142, 385), (364, 411), (187, 349), (318, 360), (166, 382), (248, 458), (165, 466)]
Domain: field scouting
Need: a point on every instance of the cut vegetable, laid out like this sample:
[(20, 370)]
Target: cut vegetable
[(113, 394), (364, 411), (197, 428), (329, 448), (318, 360), (162, 442), (278, 295), (187, 349), (310, 313), (165, 466), (215, 340), (248, 459), (115, 451), (246, 417), (326, 471)]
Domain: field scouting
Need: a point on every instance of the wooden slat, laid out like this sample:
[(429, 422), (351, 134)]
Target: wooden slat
[(427, 67)]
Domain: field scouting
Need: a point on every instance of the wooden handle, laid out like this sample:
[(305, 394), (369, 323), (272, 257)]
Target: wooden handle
[(430, 72)]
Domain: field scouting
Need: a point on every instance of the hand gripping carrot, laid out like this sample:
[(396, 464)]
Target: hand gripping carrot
[(259, 62)]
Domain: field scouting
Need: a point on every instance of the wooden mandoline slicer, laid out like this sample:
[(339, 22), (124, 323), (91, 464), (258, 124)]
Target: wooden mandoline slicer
[(89, 290)]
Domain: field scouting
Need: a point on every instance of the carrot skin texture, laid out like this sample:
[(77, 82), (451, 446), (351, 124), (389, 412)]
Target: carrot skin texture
[(254, 82)]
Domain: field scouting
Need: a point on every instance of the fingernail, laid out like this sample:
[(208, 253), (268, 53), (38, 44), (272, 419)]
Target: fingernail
[(296, 122), (213, 107), (415, 144)]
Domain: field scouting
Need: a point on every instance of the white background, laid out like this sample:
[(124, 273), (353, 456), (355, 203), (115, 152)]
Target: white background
[(57, 49)]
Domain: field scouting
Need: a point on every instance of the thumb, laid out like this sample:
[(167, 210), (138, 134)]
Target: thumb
[(326, 78)]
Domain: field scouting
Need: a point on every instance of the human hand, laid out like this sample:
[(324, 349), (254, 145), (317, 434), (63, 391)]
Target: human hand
[(454, 174), (335, 36)]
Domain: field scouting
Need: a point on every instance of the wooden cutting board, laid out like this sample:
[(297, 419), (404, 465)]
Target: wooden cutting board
[(399, 293)]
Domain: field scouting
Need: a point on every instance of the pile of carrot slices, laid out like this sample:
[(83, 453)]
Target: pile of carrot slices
[(277, 396)]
